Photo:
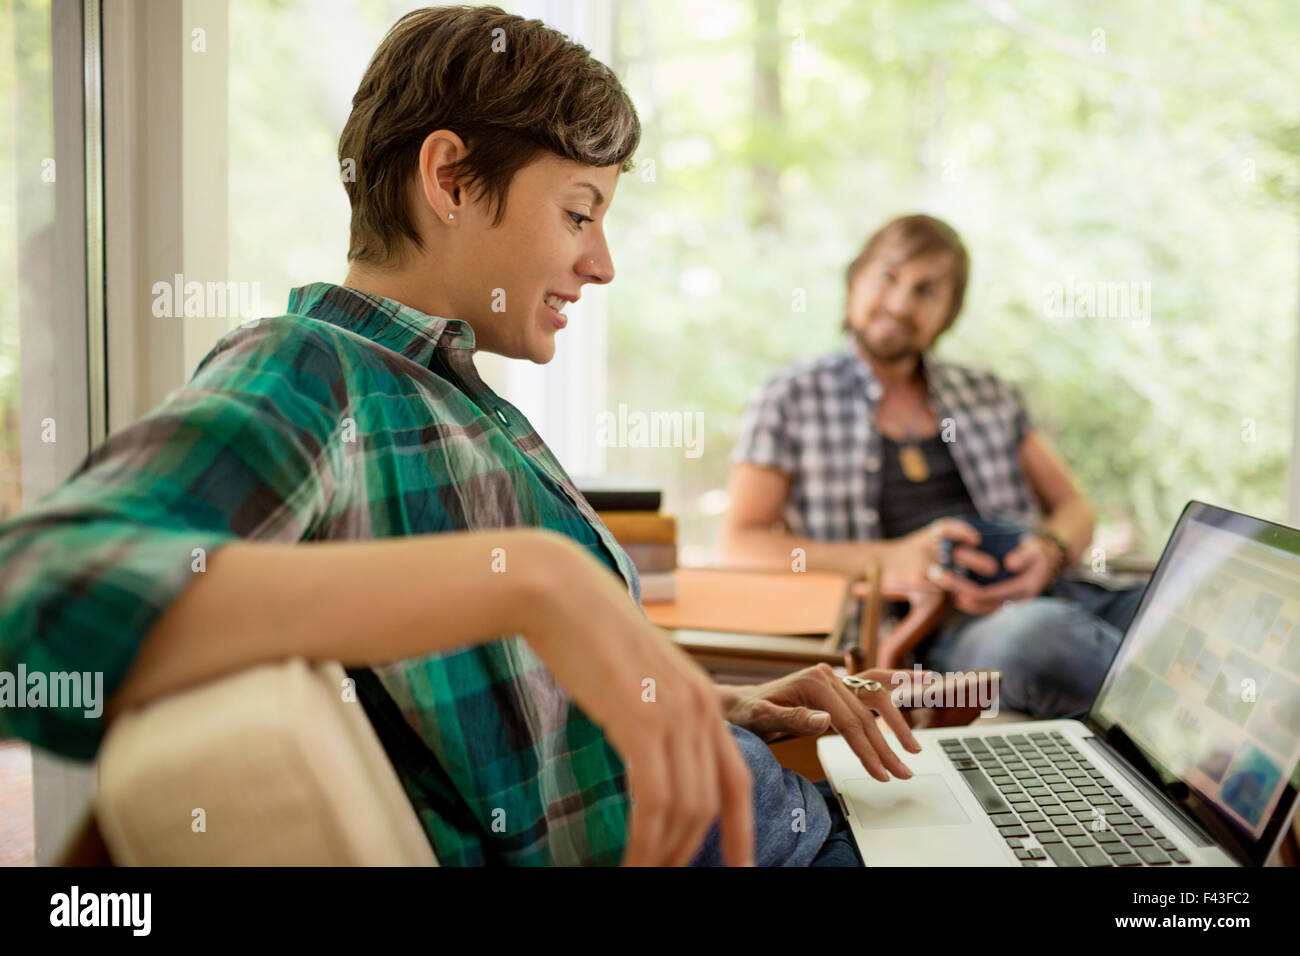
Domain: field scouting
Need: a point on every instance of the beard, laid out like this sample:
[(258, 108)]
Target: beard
[(886, 354)]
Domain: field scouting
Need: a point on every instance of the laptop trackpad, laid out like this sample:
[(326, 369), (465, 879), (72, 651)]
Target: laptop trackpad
[(924, 801)]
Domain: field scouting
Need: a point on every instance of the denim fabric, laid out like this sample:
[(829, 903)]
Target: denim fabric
[(1053, 651), (791, 818), (840, 849)]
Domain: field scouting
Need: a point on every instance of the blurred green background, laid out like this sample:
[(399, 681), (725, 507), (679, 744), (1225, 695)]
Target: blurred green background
[(786, 131), (1106, 141), (26, 141)]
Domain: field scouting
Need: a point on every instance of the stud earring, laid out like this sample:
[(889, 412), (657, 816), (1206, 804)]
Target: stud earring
[(451, 215)]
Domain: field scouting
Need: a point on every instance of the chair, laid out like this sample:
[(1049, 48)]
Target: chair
[(711, 600), (278, 766), (890, 647)]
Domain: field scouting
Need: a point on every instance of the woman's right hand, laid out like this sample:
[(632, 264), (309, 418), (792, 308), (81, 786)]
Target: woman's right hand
[(660, 710)]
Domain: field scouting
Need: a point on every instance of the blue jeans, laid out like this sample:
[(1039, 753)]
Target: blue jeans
[(796, 822), (1053, 651), (791, 817), (840, 849)]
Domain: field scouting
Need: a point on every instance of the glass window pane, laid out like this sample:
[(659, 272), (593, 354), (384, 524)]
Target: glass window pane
[(1154, 158), (27, 205), (289, 213)]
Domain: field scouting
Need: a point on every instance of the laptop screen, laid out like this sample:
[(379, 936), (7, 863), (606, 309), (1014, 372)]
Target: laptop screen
[(1204, 693)]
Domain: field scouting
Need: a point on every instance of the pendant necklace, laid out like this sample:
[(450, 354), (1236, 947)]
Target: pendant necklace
[(912, 459)]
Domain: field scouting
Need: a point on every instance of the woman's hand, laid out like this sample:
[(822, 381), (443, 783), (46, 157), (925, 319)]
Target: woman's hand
[(660, 710), (814, 700)]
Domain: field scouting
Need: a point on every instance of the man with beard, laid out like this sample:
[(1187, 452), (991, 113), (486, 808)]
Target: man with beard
[(881, 453)]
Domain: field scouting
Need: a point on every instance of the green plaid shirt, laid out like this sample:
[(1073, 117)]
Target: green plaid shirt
[(352, 417)]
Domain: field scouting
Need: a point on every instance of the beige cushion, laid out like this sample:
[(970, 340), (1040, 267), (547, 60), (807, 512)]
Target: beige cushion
[(285, 771)]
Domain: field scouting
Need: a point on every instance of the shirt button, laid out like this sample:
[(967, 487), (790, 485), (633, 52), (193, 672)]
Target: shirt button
[(873, 464), (872, 516), (874, 391)]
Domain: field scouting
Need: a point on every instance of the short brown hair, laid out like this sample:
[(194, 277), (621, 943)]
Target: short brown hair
[(918, 235), (509, 87)]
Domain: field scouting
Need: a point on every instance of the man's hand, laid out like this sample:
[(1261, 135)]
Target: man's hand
[(1034, 563), (814, 700), (913, 560)]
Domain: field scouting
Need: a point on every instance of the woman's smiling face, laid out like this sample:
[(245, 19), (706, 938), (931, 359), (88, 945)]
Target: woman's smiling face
[(550, 243)]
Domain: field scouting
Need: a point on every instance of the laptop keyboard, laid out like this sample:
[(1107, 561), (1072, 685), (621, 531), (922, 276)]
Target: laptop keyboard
[(1049, 802)]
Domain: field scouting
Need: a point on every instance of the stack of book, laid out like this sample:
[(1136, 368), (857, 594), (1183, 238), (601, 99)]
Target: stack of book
[(630, 509)]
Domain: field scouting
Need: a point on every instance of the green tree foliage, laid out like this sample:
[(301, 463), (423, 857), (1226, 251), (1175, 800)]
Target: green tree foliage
[(1109, 142)]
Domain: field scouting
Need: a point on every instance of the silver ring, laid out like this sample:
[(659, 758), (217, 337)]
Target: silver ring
[(861, 683), (934, 572)]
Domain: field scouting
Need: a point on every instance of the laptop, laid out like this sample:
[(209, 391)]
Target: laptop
[(1189, 755)]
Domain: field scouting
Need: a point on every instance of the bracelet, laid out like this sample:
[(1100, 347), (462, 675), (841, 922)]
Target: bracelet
[(1064, 549)]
